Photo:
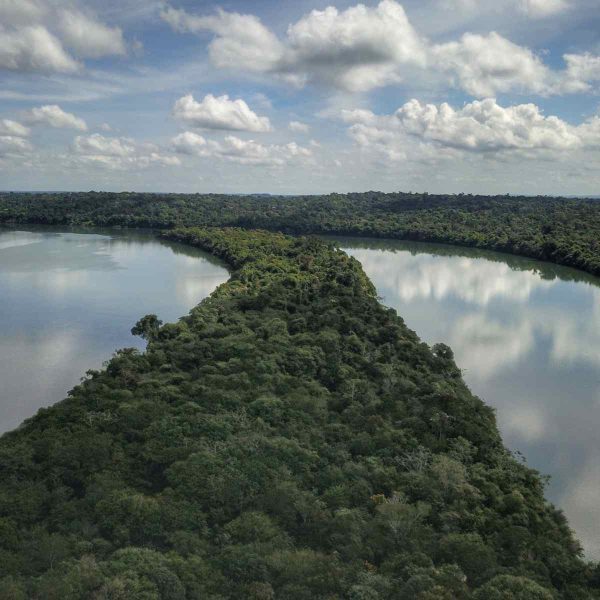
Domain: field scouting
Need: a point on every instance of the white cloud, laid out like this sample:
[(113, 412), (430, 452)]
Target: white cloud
[(241, 41), (12, 128), (362, 48), (234, 149), (485, 65), (105, 146), (89, 38), (220, 113), (189, 143), (54, 116), (480, 127), (119, 153), (33, 48), (298, 127), (357, 49), (34, 33), (582, 69), (487, 126)]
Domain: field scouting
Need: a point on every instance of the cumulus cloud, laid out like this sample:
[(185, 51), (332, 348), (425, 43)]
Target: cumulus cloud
[(487, 126), (54, 116), (357, 49), (484, 65), (234, 149), (241, 41), (105, 146), (219, 113), (480, 126), (189, 143), (298, 127), (89, 38), (12, 128), (34, 34), (119, 153), (362, 48)]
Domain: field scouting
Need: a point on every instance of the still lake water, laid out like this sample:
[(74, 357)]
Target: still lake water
[(69, 300), (527, 336)]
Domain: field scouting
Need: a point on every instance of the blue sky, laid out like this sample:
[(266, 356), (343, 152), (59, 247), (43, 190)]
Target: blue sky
[(482, 96)]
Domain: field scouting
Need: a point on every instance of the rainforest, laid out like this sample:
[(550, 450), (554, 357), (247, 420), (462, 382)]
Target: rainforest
[(560, 230), (289, 438)]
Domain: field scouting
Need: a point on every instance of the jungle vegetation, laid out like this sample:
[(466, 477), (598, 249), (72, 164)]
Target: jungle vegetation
[(559, 230), (290, 439)]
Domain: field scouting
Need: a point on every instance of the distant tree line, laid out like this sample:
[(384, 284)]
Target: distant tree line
[(290, 439), (559, 230)]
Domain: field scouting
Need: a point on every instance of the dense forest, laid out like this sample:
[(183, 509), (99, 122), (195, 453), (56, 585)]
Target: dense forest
[(290, 439), (559, 230)]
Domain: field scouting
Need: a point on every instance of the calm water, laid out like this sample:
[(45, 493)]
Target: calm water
[(68, 301), (527, 335)]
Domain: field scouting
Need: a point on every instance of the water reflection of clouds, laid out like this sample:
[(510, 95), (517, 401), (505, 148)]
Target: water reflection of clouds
[(487, 345), (192, 290), (530, 346), (471, 280), (60, 283), (55, 356), (575, 337), (526, 421)]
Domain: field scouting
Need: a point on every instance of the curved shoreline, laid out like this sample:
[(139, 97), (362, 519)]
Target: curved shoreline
[(417, 238)]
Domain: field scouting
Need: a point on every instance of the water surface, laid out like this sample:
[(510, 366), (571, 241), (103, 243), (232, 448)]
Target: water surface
[(527, 335), (69, 301)]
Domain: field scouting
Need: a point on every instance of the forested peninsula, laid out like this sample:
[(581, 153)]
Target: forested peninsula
[(290, 439), (560, 230)]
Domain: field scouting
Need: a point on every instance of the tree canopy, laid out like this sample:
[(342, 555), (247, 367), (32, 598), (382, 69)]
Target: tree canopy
[(290, 438), (561, 230)]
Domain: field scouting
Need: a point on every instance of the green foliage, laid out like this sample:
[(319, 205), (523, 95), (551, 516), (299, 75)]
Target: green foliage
[(559, 230), (291, 439), (147, 327)]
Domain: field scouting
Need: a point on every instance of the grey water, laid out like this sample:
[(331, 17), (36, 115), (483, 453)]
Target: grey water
[(527, 336), (69, 300)]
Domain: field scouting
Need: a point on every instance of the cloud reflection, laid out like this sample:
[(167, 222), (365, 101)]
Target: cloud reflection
[(427, 276)]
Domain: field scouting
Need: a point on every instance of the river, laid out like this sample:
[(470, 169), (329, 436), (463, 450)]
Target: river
[(525, 333)]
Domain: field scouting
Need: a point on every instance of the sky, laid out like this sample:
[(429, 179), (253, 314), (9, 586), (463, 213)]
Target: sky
[(301, 97)]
